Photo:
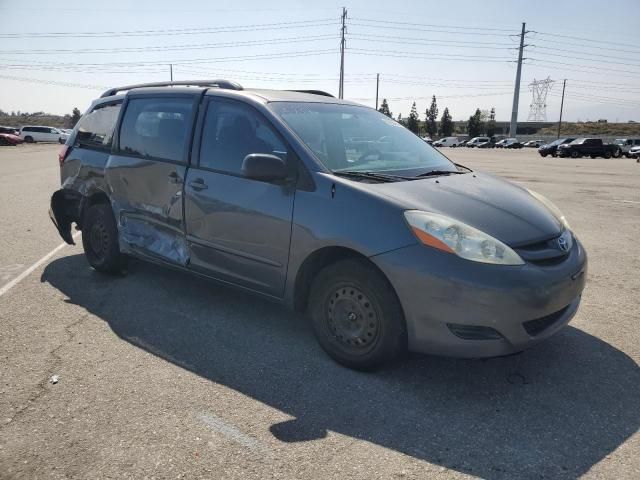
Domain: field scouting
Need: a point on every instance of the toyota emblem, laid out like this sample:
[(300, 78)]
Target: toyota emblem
[(563, 244)]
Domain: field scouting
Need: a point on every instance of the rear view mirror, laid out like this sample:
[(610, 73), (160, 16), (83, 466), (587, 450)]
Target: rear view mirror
[(264, 167)]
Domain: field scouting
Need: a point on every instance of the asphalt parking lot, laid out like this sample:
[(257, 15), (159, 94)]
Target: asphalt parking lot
[(162, 375)]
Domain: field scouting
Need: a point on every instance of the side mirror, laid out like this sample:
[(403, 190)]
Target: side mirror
[(264, 167)]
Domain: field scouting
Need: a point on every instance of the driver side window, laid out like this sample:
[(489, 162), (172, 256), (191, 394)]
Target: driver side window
[(232, 131)]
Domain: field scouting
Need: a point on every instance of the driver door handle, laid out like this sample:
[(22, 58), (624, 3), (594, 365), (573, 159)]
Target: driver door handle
[(198, 184)]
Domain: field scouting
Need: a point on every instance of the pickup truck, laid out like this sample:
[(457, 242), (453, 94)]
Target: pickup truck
[(592, 147)]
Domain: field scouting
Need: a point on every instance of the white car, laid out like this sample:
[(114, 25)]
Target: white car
[(534, 143), (475, 141), (447, 142), (35, 133), (634, 152)]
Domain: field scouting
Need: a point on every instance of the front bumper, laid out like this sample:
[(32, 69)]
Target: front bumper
[(437, 289)]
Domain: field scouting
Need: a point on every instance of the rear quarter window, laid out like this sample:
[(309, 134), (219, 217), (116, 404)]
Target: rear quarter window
[(157, 128), (95, 129)]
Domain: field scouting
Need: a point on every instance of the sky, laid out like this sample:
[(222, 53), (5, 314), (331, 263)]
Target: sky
[(59, 55)]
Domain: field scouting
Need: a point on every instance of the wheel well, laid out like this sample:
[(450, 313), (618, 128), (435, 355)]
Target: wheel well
[(314, 263), (94, 199)]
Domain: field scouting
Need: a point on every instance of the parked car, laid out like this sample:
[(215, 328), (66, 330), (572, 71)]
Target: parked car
[(501, 143), (513, 143), (7, 138), (488, 144), (385, 250), (635, 153), (447, 142), (427, 139), (626, 144), (533, 143), (463, 143), (475, 141), (552, 148), (64, 135), (592, 147), (32, 133), (10, 130)]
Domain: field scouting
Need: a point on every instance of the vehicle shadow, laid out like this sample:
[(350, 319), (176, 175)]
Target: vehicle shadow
[(554, 411)]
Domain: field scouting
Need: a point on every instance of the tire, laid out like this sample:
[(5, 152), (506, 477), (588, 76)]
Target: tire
[(574, 154), (543, 155), (356, 316), (617, 153), (592, 156), (61, 141), (627, 155), (607, 155), (28, 139), (100, 239), (4, 141), (554, 155)]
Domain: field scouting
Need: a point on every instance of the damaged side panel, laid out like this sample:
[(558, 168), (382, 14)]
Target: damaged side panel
[(146, 197)]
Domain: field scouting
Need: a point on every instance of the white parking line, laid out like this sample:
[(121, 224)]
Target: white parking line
[(29, 270), (231, 432)]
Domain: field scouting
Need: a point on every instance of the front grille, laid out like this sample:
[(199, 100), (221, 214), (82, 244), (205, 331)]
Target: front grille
[(543, 253), (537, 326)]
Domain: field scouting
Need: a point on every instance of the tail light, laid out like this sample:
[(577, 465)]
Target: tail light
[(64, 151)]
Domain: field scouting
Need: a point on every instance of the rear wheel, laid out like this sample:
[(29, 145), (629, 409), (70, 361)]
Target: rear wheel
[(617, 153), (543, 155), (28, 139), (574, 154), (356, 315), (100, 239), (607, 154)]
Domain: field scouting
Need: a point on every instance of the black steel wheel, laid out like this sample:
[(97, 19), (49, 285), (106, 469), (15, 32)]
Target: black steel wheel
[(100, 239), (356, 315)]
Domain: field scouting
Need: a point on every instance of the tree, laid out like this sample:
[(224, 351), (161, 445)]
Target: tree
[(432, 115), (75, 116), (474, 125), (384, 108), (446, 124), (413, 123), (491, 124)]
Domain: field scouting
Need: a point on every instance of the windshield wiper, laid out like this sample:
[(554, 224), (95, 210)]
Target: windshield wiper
[(435, 173), (372, 175)]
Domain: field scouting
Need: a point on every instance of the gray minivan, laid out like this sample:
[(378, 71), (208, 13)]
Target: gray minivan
[(326, 206)]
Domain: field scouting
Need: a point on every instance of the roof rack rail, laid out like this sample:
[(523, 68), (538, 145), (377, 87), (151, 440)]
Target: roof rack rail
[(225, 84), (314, 92)]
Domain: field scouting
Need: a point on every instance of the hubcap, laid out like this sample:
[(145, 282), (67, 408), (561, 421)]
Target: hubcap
[(351, 318)]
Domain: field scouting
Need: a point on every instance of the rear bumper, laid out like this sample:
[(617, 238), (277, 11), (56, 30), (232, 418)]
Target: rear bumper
[(437, 290), (63, 212)]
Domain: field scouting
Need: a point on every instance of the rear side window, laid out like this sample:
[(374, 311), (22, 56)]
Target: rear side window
[(157, 128), (95, 129), (232, 131)]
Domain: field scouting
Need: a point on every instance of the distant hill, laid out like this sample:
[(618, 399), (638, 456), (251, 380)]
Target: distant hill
[(608, 129), (19, 119)]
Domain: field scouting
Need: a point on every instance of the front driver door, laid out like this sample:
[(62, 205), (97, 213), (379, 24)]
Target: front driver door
[(238, 229)]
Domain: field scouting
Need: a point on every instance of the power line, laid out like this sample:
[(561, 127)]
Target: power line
[(392, 27), (196, 46), (434, 25), (440, 40), (183, 31), (584, 39)]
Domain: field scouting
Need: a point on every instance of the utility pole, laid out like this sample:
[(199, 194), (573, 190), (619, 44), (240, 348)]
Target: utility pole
[(343, 30), (171, 71), (564, 84), (377, 88), (513, 127)]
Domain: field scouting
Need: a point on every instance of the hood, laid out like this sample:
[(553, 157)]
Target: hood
[(497, 207)]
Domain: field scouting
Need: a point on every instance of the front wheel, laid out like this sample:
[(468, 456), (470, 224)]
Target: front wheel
[(607, 154), (356, 316), (543, 155), (100, 239), (574, 154), (617, 153), (28, 139)]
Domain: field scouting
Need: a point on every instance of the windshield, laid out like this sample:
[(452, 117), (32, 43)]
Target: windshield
[(557, 142), (620, 141), (353, 138), (578, 141)]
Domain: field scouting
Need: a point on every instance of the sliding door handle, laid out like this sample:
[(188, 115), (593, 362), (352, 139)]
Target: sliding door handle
[(198, 184)]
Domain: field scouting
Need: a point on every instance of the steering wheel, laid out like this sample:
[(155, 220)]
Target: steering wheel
[(369, 152)]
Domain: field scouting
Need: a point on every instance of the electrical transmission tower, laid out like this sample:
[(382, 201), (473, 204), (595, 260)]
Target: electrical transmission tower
[(538, 108)]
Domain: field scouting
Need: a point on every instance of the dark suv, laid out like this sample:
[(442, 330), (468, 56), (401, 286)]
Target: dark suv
[(324, 205)]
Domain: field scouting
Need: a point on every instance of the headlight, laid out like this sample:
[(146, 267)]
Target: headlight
[(551, 207), (455, 237)]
